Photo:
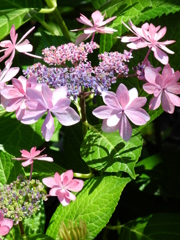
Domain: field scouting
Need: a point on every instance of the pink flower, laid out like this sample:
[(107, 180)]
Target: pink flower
[(5, 224), (11, 46), (96, 26), (61, 185), (55, 102), (121, 106), (149, 36), (8, 73), (163, 87), (29, 157), (13, 98)]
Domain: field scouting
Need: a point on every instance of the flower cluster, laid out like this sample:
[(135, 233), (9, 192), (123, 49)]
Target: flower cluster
[(21, 198), (111, 66), (68, 52)]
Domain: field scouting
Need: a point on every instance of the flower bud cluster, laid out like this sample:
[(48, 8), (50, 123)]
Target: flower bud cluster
[(111, 65), (21, 198), (73, 231), (68, 52)]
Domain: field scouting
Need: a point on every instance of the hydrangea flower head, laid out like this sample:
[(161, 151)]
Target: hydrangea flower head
[(96, 26), (164, 88), (62, 185), (5, 224), (119, 107)]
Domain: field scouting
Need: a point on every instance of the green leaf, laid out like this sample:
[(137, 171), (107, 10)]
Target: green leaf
[(14, 234), (94, 205), (15, 136), (35, 224), (40, 237), (16, 12), (109, 152), (155, 227), (9, 170)]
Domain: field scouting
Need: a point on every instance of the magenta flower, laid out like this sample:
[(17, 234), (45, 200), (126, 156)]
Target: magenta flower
[(122, 105), (11, 46), (55, 102), (29, 157), (96, 26), (61, 185), (5, 224), (149, 36), (164, 87)]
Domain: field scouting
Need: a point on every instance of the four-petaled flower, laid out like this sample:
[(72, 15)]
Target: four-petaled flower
[(148, 36), (29, 157), (61, 185), (163, 87), (55, 102), (96, 26), (5, 224), (121, 106)]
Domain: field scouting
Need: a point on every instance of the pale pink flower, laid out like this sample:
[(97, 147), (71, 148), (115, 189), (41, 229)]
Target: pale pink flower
[(122, 105), (96, 26), (62, 185), (164, 88), (5, 224), (148, 36), (55, 102), (29, 157), (11, 46), (8, 73), (13, 97)]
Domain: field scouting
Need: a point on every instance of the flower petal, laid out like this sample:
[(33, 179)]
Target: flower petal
[(67, 117), (47, 128), (125, 129)]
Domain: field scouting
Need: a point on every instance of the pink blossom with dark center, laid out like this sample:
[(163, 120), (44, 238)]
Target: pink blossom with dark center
[(62, 185), (119, 107), (96, 26), (164, 88), (5, 224)]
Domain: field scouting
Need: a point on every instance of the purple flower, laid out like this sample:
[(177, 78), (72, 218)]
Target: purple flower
[(5, 224), (122, 105), (55, 102), (164, 87), (61, 185)]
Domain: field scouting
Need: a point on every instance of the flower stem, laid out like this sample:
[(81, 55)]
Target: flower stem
[(83, 111), (31, 171), (147, 55), (84, 175), (22, 230), (59, 19), (45, 25)]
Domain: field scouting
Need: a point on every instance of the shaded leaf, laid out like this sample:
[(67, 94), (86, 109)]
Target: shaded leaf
[(155, 227), (109, 152)]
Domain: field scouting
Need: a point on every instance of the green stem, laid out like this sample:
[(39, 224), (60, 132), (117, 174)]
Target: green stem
[(84, 175), (46, 10), (45, 25), (59, 19), (114, 227), (22, 230)]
